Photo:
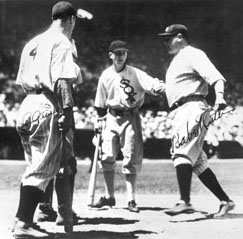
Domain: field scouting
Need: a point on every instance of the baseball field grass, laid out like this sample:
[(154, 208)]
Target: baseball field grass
[(156, 190), (156, 177)]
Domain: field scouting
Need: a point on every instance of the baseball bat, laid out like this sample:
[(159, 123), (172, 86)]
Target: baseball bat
[(67, 197), (93, 174)]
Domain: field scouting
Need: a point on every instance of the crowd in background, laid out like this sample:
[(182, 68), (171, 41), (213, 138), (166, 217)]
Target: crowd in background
[(155, 124), (156, 121)]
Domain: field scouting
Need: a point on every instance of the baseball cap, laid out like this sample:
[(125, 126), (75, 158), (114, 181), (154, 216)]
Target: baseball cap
[(118, 45), (63, 9), (174, 29)]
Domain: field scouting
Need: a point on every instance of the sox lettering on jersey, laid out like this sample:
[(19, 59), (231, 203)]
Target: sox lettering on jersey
[(128, 90)]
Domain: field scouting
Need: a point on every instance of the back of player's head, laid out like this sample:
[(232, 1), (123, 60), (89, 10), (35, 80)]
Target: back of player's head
[(62, 10)]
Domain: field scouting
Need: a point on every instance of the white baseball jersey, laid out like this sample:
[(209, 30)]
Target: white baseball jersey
[(45, 59), (189, 73), (79, 78), (125, 89)]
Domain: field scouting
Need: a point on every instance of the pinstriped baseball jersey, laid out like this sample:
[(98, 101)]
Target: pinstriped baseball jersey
[(79, 78), (46, 58), (189, 73), (125, 89)]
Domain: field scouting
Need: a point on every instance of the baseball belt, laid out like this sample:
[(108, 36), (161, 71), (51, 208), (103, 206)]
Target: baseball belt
[(186, 99), (120, 113), (35, 91)]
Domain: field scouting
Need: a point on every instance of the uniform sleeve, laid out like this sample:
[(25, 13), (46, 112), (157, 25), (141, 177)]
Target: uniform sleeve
[(206, 69), (79, 79), (63, 65), (101, 94), (20, 71), (149, 84)]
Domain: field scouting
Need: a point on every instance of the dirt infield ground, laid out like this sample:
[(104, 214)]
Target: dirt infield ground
[(150, 223)]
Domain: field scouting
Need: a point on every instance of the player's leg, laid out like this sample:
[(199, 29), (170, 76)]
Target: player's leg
[(109, 177), (132, 150), (46, 211), (187, 140), (184, 176), (109, 149), (59, 187), (42, 154), (109, 198), (131, 186), (29, 199), (209, 179)]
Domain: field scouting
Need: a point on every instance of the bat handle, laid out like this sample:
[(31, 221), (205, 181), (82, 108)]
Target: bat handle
[(68, 212)]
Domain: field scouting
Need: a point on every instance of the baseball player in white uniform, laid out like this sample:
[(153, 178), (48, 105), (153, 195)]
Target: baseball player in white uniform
[(187, 79), (46, 211), (45, 72), (120, 94)]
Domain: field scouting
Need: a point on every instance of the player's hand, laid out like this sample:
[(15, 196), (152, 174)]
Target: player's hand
[(99, 124), (65, 122), (159, 87), (220, 103)]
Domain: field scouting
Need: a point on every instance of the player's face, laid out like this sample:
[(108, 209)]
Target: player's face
[(119, 57), (172, 44)]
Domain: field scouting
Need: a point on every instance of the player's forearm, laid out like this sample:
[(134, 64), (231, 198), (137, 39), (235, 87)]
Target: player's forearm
[(64, 94), (65, 101)]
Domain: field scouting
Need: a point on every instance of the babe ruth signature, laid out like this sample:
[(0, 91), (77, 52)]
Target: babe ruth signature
[(31, 117), (203, 122)]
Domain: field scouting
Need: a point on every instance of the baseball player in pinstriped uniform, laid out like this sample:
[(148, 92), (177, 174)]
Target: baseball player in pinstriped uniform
[(120, 94), (45, 72), (46, 212), (187, 79)]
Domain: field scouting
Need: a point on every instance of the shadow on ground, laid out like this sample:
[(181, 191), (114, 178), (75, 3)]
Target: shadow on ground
[(101, 235), (151, 209), (107, 220), (210, 217)]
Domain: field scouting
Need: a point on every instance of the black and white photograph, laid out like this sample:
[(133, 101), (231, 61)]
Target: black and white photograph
[(121, 119)]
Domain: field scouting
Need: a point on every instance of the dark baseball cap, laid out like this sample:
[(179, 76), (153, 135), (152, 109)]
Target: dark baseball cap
[(63, 9), (174, 29), (118, 45)]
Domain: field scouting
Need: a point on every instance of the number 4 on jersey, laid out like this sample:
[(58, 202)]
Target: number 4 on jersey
[(33, 53)]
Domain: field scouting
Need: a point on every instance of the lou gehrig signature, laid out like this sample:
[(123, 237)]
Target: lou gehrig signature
[(203, 122), (31, 117)]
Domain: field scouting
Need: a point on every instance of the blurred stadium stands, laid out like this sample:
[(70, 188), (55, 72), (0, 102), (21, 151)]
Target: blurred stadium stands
[(137, 22)]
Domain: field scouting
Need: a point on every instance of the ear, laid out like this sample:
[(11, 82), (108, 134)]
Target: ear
[(110, 55), (72, 19), (179, 35)]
